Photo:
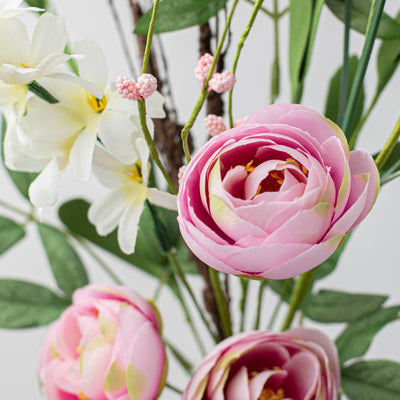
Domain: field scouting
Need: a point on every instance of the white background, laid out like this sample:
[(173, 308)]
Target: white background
[(370, 261)]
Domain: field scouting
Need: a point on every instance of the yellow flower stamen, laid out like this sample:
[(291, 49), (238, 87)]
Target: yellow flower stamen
[(135, 173), (269, 394), (24, 65), (82, 396), (78, 349), (96, 104), (298, 165), (249, 167)]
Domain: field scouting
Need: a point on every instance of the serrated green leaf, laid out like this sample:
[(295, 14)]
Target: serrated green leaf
[(148, 255), (304, 17), (21, 180), (388, 60), (334, 306), (10, 233), (332, 99), (173, 15), (355, 340), (25, 304), (372, 380), (388, 27), (67, 267)]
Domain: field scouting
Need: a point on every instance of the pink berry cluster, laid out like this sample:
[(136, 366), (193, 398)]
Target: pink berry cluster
[(214, 125), (220, 81), (129, 89)]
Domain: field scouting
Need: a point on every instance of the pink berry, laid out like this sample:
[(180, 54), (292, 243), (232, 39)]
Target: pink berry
[(222, 82), (127, 88), (239, 122), (147, 85), (203, 66), (214, 125)]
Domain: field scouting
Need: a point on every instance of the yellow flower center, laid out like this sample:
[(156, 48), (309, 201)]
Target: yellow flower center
[(24, 65), (96, 104), (269, 394), (135, 173), (82, 396)]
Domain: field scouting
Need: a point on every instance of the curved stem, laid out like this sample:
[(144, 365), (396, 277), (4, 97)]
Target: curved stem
[(174, 388), (263, 9), (240, 45), (282, 295), (259, 304), (15, 209), (222, 304), (300, 289), (204, 93), (388, 147), (179, 357), (245, 284), (275, 75)]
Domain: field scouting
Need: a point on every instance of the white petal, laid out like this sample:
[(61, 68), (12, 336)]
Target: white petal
[(106, 212), (43, 191), (16, 75), (15, 49), (17, 11), (154, 105), (106, 168), (93, 66), (129, 225), (143, 155), (10, 94), (118, 134), (50, 62), (49, 36), (117, 103), (162, 199), (81, 155)]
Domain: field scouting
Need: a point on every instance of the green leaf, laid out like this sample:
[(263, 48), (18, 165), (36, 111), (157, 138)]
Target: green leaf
[(68, 270), (388, 27), (334, 306), (388, 60), (10, 233), (392, 165), (25, 304), (22, 180), (332, 100), (372, 380), (355, 340), (173, 15), (36, 3), (148, 255), (304, 17)]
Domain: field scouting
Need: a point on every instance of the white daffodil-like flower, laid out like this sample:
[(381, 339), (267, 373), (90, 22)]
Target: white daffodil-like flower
[(10, 8), (123, 205), (65, 133)]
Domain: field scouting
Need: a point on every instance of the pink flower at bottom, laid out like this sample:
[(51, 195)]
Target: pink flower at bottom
[(105, 346), (298, 364)]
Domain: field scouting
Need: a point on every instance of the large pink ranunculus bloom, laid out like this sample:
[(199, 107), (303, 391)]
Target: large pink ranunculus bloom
[(274, 198), (105, 346), (298, 364)]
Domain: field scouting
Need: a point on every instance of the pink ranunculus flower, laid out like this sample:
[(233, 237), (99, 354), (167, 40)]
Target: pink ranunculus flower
[(105, 346), (298, 364), (274, 197)]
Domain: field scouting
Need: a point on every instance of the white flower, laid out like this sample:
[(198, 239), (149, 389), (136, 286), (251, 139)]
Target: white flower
[(10, 8), (65, 133), (122, 206)]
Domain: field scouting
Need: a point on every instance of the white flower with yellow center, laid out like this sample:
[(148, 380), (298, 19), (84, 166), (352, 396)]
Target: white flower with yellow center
[(10, 8), (122, 206), (65, 133)]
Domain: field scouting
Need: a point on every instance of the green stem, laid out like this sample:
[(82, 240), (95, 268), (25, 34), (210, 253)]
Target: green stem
[(344, 82), (150, 143), (282, 295), (100, 262), (259, 304), (375, 17), (204, 93), (16, 209), (40, 91), (179, 357), (240, 45), (222, 304), (174, 388), (300, 289), (388, 147), (178, 271), (275, 71), (242, 306), (264, 10)]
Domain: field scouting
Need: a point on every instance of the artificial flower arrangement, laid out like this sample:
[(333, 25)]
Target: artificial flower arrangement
[(271, 199)]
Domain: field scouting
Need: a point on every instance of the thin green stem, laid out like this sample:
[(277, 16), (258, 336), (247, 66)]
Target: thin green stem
[(263, 9), (275, 71), (375, 17), (222, 304), (282, 295), (244, 282), (239, 48), (204, 93), (388, 147), (179, 357), (174, 388), (16, 209), (161, 284), (178, 271), (94, 255), (259, 304), (344, 81), (300, 289), (150, 143)]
